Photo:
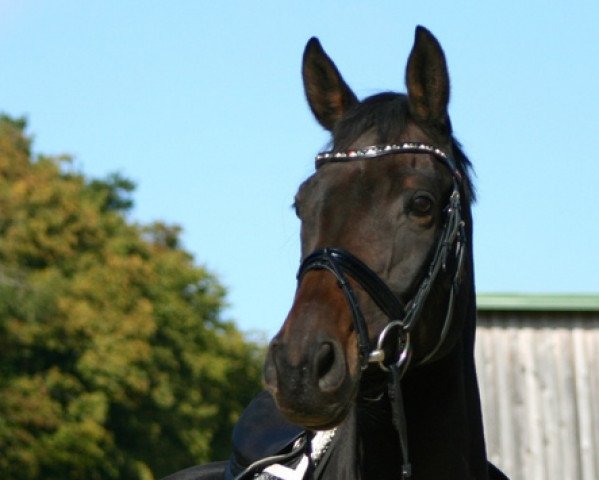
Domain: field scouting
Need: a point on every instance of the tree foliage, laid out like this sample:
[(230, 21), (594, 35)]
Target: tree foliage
[(114, 359)]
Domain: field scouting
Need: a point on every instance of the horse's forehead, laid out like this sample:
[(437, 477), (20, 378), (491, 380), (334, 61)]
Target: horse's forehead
[(404, 170)]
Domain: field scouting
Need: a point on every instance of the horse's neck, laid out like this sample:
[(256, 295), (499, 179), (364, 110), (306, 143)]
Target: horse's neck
[(366, 446), (443, 421), (443, 410)]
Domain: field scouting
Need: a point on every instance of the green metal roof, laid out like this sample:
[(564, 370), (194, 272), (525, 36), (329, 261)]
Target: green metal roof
[(538, 302)]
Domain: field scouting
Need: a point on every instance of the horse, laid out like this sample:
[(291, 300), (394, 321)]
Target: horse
[(375, 360)]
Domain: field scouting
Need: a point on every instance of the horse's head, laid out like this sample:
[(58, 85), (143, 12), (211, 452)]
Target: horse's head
[(374, 226)]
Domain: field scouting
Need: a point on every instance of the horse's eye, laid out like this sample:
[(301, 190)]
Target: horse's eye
[(422, 205)]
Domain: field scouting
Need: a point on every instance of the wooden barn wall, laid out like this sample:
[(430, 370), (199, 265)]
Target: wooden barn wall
[(539, 382)]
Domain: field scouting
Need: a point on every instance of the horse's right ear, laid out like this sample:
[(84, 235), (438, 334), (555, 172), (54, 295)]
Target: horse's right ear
[(328, 95)]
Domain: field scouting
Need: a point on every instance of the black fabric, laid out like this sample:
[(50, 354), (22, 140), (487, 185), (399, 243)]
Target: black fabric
[(260, 432), (210, 471)]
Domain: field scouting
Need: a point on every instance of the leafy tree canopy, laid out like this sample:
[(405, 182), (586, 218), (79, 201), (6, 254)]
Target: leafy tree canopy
[(114, 359)]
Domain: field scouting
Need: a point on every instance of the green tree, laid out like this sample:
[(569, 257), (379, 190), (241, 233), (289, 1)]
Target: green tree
[(114, 359)]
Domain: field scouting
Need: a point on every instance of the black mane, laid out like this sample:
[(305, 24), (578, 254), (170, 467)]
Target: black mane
[(385, 113)]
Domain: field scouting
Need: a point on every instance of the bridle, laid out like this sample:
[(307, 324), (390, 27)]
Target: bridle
[(402, 317)]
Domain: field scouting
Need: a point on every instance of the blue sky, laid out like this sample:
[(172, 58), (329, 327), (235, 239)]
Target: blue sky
[(201, 104)]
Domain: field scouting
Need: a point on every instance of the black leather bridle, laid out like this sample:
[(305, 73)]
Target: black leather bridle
[(403, 317)]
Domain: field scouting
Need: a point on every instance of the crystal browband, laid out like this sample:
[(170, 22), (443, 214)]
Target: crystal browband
[(375, 151)]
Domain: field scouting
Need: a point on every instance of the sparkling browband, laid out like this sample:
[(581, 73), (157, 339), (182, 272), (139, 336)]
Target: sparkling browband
[(375, 151)]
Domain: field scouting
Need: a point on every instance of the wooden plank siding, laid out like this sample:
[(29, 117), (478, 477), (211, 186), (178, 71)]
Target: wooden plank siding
[(538, 374)]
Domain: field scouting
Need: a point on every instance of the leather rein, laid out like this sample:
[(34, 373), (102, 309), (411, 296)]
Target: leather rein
[(403, 317)]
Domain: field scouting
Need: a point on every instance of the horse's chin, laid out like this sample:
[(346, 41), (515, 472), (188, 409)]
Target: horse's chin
[(335, 414)]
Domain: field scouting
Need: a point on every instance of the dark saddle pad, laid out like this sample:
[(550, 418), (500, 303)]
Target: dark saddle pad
[(260, 432)]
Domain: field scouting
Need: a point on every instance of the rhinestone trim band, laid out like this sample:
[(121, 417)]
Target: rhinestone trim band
[(375, 151)]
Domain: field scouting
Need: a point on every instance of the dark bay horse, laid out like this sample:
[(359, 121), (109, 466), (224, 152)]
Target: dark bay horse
[(379, 341)]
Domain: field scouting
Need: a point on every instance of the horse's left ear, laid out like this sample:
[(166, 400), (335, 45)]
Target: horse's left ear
[(427, 80)]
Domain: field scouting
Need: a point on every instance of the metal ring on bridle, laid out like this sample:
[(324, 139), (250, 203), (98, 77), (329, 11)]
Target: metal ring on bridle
[(403, 342)]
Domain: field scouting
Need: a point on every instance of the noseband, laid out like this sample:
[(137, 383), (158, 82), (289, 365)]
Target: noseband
[(403, 317)]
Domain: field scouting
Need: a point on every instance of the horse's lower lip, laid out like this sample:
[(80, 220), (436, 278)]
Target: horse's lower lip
[(316, 422), (334, 416)]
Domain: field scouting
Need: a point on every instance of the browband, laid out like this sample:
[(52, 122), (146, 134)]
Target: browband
[(376, 151)]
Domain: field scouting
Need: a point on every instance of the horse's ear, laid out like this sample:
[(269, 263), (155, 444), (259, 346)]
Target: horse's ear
[(427, 80), (327, 93)]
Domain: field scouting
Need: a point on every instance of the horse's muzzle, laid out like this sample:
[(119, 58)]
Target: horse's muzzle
[(311, 385)]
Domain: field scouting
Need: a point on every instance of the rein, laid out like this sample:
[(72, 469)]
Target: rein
[(402, 317)]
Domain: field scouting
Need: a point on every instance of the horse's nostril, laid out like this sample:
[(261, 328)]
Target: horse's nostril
[(325, 358), (329, 367)]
